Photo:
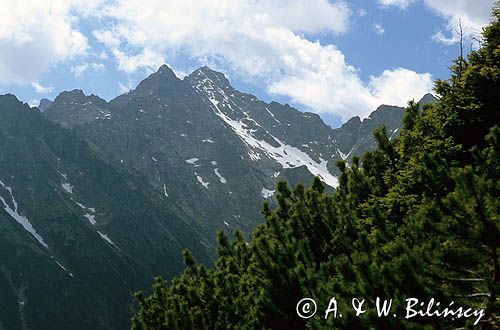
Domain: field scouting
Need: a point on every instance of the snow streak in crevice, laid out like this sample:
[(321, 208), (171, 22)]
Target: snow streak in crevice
[(22, 220)]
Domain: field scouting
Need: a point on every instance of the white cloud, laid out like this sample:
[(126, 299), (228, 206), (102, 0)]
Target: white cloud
[(207, 27), (39, 89), (147, 59), (448, 41), (361, 12), (33, 103), (80, 69), (106, 37), (316, 76), (397, 87), (403, 4), (36, 34), (123, 88), (306, 16), (378, 28)]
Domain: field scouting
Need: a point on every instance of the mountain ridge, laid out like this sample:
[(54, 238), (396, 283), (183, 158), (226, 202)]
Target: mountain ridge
[(76, 229)]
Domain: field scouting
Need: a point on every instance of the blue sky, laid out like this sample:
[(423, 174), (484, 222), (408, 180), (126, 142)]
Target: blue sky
[(335, 58)]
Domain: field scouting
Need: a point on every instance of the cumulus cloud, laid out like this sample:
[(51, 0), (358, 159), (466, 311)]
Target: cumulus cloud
[(80, 69), (147, 59), (106, 37), (124, 88), (36, 34), (318, 78), (33, 103), (397, 86), (208, 27), (103, 55), (39, 89), (361, 12), (403, 4)]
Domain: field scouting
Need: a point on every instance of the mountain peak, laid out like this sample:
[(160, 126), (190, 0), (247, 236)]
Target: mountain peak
[(426, 99), (44, 104), (9, 100), (162, 75), (204, 72), (166, 71), (163, 80), (356, 120), (9, 103)]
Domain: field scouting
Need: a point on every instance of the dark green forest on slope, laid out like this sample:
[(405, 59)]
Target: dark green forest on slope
[(417, 217)]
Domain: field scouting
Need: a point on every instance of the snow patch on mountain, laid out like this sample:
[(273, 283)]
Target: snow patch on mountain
[(266, 193), (63, 268), (67, 186), (90, 215), (341, 154), (106, 238), (254, 155), (201, 181), (91, 209), (221, 178), (22, 220), (90, 218), (286, 155), (272, 115)]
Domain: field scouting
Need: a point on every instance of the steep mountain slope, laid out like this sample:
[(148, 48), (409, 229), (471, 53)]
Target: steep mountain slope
[(355, 137), (213, 160), (78, 235)]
